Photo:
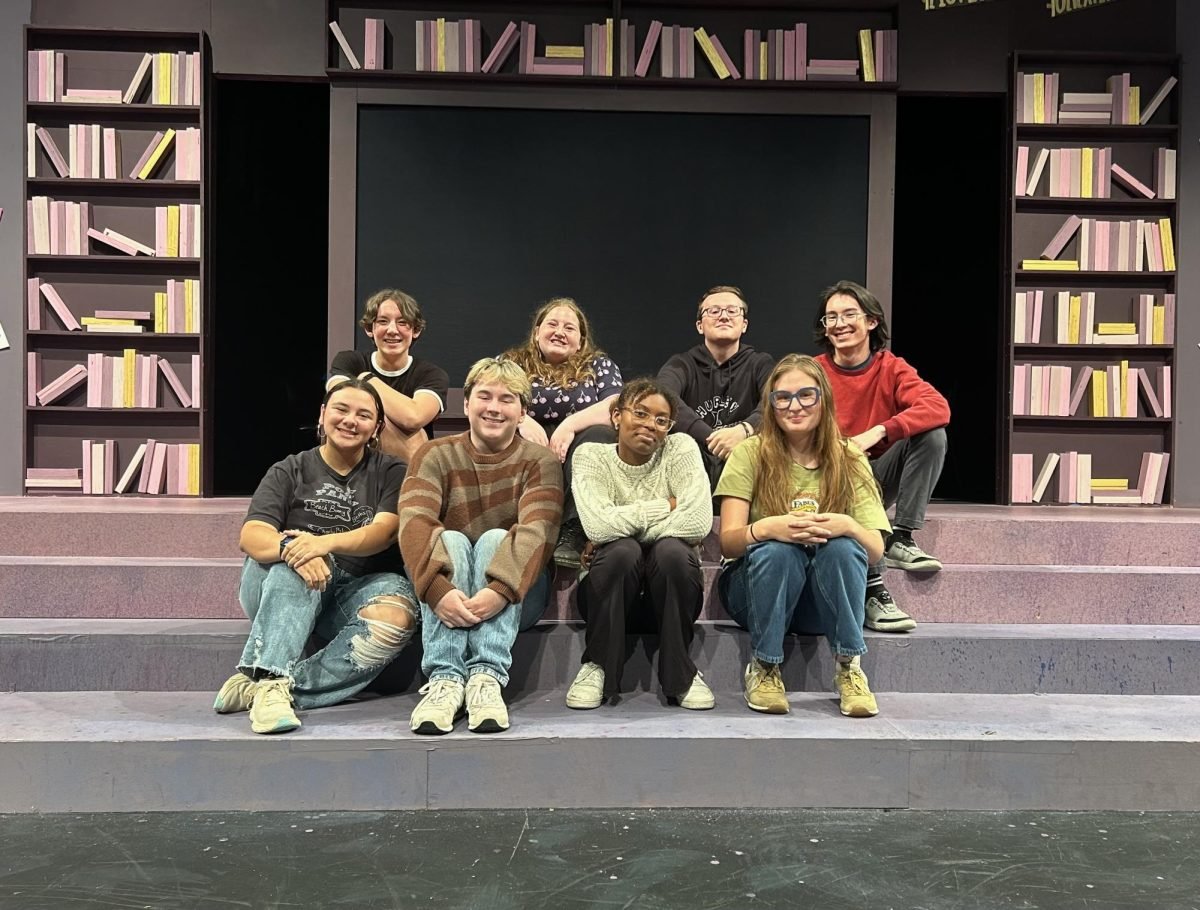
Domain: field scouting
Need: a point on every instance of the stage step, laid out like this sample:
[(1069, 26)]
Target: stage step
[(146, 752), (198, 655), (127, 587)]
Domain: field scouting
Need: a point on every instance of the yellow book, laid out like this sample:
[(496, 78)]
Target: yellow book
[(441, 45), (1110, 483), (1099, 393), (172, 230), (189, 321), (608, 37), (565, 51), (762, 60), (1073, 319), (162, 86), (1039, 97), (1135, 105), (1120, 405), (1050, 265), (867, 52), (1116, 328), (1086, 177), (193, 478), (1158, 332), (157, 155), (1168, 244), (160, 311), (96, 320), (130, 389), (710, 52)]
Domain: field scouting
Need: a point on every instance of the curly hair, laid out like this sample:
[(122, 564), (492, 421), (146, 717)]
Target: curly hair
[(573, 371)]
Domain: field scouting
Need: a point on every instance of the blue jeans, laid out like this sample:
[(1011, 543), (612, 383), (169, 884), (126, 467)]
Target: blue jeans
[(284, 612), (487, 646), (778, 588)]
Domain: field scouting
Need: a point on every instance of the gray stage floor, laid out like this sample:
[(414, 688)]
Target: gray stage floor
[(614, 859)]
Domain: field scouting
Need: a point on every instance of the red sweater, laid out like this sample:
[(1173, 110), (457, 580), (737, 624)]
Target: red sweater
[(887, 392)]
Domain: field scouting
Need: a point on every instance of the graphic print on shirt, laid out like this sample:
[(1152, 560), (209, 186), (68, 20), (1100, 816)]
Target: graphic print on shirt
[(332, 502), (805, 501), (717, 409)]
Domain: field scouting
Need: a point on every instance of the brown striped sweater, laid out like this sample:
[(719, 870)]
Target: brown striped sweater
[(451, 485)]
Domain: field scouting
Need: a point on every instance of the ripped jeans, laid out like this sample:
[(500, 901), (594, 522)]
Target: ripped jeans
[(284, 612)]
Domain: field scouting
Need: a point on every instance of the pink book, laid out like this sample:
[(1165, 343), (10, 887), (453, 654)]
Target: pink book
[(52, 473), (1143, 485), (111, 164), (801, 30), (110, 465), (113, 242), (108, 386), (1161, 484), (31, 77), (85, 225), (1164, 390), (1100, 239), (123, 314), (1022, 467), (1169, 319), (145, 156), (172, 466), (33, 377), (86, 452), (1131, 183), (197, 380), (648, 45), (1020, 389), (147, 460), (502, 48), (1156, 246), (1073, 478), (369, 61), (1022, 169), (33, 304), (750, 42), (725, 58), (1036, 337), (548, 66), (1062, 238), (173, 380), (185, 231), (1079, 390), (71, 379), (60, 75), (152, 381), (70, 323), (197, 78), (93, 380), (155, 483), (789, 55), (52, 152), (528, 47)]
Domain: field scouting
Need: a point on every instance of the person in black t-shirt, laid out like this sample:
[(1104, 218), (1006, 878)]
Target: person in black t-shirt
[(320, 540), (413, 391)]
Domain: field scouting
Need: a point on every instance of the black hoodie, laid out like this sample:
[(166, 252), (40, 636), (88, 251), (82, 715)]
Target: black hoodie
[(712, 395)]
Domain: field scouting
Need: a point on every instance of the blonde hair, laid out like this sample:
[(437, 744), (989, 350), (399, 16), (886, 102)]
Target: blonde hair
[(840, 469), (571, 372), (505, 372)]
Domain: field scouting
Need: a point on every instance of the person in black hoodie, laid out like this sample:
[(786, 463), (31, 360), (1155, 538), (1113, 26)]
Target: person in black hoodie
[(718, 383)]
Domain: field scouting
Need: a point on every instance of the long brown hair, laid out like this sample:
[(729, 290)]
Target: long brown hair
[(839, 469), (571, 372)]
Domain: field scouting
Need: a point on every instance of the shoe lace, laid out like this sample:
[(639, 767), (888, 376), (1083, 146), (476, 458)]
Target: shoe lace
[(439, 691), (855, 681), (483, 693), (771, 679), (274, 691), (884, 598)]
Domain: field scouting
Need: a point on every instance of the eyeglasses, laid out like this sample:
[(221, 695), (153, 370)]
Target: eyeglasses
[(834, 318), (660, 422), (805, 397), (713, 312)]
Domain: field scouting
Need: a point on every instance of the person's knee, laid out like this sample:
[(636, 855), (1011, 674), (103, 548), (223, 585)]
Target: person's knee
[(933, 441), (393, 609), (845, 550), (672, 555), (390, 620)]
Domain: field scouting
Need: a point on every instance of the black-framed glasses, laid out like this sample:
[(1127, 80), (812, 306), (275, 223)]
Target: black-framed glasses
[(832, 319), (805, 397), (713, 312), (660, 422)]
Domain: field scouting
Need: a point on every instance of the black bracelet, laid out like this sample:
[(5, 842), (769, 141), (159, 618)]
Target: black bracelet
[(752, 535)]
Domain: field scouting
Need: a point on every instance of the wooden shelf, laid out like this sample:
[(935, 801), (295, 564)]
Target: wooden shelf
[(76, 112), (1091, 349), (1062, 276), (109, 264), (1099, 206), (107, 412), (61, 338), (122, 187), (396, 77), (1031, 420), (1090, 131)]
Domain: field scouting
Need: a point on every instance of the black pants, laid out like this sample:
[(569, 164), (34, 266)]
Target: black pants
[(629, 581)]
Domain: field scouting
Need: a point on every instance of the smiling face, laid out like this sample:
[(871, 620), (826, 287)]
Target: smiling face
[(493, 412), (850, 334), (722, 318), (393, 335), (349, 419), (794, 419), (558, 335), (642, 428)]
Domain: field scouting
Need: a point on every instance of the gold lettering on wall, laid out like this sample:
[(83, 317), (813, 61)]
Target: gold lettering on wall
[(946, 4), (1062, 7)]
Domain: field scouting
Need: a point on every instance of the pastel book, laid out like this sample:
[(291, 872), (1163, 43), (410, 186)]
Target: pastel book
[(340, 37)]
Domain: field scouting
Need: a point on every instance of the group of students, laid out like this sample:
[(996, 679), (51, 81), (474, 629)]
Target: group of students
[(383, 529)]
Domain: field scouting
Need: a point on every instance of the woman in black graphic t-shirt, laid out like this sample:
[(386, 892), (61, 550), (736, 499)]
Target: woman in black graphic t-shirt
[(321, 555)]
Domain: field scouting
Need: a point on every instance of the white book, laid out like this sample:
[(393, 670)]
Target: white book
[(345, 45), (131, 470), (140, 247), (1083, 474), (1044, 475), (138, 80), (1036, 173)]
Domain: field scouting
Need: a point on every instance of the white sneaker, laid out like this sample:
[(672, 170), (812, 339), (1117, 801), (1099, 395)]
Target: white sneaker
[(486, 711), (441, 706), (588, 689), (699, 696)]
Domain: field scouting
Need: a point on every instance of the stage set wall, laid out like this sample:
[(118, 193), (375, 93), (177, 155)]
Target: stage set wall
[(961, 49)]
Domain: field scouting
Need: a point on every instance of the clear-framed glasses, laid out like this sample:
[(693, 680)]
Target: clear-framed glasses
[(660, 423), (832, 319), (805, 397), (714, 312)]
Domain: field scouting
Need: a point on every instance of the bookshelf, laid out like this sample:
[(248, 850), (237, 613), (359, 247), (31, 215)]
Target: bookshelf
[(601, 44), (102, 102), (1090, 352)]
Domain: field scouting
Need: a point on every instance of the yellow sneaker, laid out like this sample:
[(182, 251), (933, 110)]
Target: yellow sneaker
[(851, 683), (764, 688), (237, 694), (272, 711)]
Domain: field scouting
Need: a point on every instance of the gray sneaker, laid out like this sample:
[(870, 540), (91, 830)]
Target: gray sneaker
[(906, 555), (883, 615)]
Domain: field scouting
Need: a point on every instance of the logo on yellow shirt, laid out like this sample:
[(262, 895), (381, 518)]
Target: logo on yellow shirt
[(805, 501)]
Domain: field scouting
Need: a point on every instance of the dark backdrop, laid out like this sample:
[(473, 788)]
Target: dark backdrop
[(481, 214)]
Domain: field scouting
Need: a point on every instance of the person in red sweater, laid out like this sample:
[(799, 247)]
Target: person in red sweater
[(894, 416)]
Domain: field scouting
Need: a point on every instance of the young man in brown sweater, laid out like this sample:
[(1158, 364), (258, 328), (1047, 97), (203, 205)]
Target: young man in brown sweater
[(479, 515)]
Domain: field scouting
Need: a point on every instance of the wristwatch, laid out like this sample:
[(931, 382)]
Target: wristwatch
[(284, 540)]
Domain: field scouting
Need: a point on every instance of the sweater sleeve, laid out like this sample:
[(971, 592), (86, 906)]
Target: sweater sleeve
[(605, 514), (420, 509), (673, 377), (921, 406), (527, 547), (692, 517)]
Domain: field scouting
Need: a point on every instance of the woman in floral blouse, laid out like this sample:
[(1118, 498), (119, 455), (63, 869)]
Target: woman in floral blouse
[(572, 382)]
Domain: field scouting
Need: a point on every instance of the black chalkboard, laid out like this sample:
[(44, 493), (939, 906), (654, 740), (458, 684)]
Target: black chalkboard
[(481, 214)]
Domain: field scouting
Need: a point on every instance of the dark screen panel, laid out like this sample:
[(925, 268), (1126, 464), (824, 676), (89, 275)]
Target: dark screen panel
[(481, 214)]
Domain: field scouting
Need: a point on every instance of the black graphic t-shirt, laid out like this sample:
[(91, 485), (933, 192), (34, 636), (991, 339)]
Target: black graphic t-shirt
[(303, 493)]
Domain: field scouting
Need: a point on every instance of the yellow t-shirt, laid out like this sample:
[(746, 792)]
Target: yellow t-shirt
[(805, 496)]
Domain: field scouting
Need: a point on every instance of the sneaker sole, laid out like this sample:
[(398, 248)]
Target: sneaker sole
[(902, 625), (429, 728), (488, 726), (282, 726), (584, 706), (694, 707), (768, 709), (860, 712), (918, 567)]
